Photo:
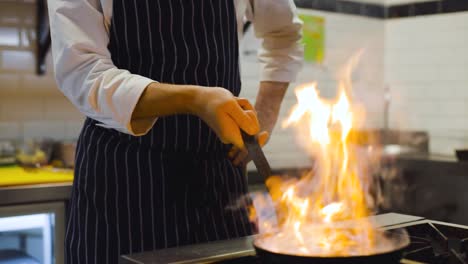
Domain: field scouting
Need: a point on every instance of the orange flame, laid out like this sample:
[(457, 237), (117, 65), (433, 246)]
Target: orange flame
[(323, 213)]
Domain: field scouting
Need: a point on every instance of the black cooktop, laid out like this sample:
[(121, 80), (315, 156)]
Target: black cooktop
[(431, 242)]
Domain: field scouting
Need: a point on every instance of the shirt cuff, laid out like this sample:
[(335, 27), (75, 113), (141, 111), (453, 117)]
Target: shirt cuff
[(275, 75), (141, 126)]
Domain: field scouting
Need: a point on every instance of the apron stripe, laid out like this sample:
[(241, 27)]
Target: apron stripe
[(116, 198), (128, 193), (197, 65), (73, 216), (216, 45), (229, 47), (94, 202), (230, 200), (79, 202), (208, 55), (176, 233), (174, 68), (163, 66), (186, 216), (152, 198), (140, 176), (222, 208), (163, 192), (106, 187), (230, 203)]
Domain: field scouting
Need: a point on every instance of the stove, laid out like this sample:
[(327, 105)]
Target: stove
[(431, 242)]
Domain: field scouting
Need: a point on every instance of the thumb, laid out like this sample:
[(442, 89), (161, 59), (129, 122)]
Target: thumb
[(263, 138)]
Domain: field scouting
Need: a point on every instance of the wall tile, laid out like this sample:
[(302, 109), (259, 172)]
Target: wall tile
[(18, 60), (9, 83), (59, 108), (73, 129), (10, 36), (10, 130), (39, 84), (44, 130), (21, 109), (426, 62)]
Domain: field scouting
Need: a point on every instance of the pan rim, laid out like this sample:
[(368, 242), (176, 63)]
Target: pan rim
[(400, 248)]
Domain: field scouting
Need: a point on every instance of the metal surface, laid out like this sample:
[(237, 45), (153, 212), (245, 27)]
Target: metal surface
[(229, 249), (200, 253), (37, 193), (257, 155), (58, 233), (399, 236)]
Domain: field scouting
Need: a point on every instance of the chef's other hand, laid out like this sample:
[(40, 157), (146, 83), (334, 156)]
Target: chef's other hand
[(226, 114), (239, 156)]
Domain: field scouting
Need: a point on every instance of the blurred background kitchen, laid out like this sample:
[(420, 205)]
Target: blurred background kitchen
[(412, 79)]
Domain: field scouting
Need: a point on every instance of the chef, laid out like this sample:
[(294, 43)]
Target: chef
[(160, 158)]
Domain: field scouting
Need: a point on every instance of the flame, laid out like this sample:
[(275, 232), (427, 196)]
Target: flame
[(324, 212)]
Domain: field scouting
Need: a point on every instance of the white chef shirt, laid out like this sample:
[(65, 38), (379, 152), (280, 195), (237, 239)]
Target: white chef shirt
[(87, 76)]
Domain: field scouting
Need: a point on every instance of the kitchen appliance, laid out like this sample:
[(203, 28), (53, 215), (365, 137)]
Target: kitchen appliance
[(462, 154), (431, 242), (32, 233), (7, 153)]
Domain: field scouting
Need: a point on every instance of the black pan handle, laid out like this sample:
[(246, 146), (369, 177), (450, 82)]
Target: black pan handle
[(257, 155)]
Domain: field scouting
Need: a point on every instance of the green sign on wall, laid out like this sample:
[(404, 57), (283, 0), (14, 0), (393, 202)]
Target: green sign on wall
[(313, 38)]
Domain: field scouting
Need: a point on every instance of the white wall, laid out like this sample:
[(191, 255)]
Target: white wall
[(426, 68), (30, 106), (344, 36)]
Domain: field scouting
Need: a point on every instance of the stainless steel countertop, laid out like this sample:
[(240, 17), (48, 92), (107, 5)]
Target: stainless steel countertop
[(228, 249), (37, 193)]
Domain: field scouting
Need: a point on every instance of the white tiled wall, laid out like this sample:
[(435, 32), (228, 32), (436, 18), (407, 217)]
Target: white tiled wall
[(31, 106), (426, 68), (345, 35)]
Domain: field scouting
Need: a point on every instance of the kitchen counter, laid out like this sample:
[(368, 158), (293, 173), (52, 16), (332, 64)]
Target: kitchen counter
[(427, 165), (441, 165), (36, 193)]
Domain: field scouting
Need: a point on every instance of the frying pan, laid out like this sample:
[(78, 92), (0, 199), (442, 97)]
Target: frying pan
[(399, 236)]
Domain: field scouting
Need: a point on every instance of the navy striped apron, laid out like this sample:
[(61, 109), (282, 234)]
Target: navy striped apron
[(173, 186)]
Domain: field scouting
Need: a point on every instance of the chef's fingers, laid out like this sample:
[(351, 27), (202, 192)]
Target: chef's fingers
[(230, 133), (232, 152), (241, 158), (246, 120), (245, 104), (249, 109), (263, 138), (236, 155), (252, 115)]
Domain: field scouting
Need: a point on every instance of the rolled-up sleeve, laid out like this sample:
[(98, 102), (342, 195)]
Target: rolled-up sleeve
[(85, 72), (276, 22)]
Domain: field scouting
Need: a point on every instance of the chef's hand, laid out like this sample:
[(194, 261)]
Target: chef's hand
[(268, 103), (226, 114)]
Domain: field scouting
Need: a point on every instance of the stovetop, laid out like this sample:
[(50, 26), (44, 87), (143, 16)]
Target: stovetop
[(431, 242), (435, 242)]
